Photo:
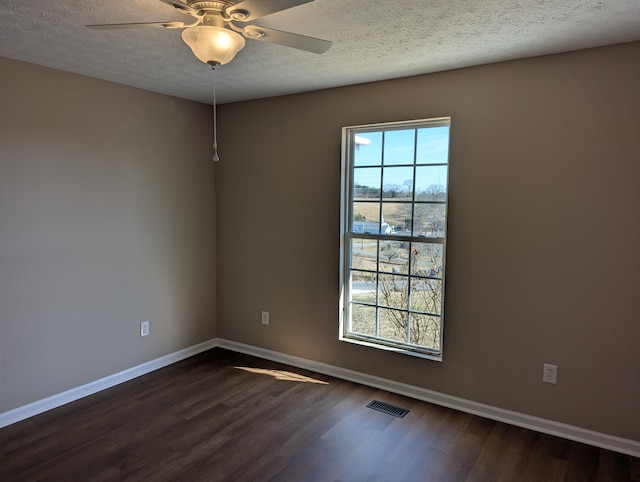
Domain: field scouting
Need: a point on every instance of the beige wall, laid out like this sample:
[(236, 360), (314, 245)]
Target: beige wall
[(544, 231), (107, 219)]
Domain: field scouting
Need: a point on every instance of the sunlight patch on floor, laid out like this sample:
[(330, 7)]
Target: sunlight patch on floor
[(283, 375)]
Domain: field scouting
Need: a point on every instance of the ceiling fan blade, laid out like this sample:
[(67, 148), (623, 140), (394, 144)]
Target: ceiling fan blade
[(116, 26), (302, 42), (249, 10), (183, 7)]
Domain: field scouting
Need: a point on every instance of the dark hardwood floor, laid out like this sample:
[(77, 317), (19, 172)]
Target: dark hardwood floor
[(227, 416)]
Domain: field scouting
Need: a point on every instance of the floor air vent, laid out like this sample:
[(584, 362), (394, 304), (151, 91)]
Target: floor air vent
[(388, 408)]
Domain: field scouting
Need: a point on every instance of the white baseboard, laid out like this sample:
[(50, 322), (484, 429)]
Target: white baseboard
[(40, 406), (570, 432)]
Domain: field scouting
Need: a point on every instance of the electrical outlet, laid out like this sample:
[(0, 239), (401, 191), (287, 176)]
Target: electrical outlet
[(265, 317), (550, 373), (144, 328)]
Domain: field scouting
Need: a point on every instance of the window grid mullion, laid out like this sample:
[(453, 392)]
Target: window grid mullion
[(380, 218), (378, 288), (413, 207)]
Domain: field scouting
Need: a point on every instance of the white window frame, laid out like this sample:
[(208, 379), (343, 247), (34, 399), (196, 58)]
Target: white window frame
[(347, 235)]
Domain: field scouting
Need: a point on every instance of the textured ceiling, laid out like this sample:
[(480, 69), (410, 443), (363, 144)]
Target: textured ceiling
[(372, 40)]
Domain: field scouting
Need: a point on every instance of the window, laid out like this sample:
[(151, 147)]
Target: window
[(393, 235)]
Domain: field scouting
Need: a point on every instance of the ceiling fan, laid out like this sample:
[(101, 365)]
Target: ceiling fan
[(215, 38)]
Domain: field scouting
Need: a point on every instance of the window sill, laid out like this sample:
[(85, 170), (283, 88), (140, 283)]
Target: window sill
[(379, 346)]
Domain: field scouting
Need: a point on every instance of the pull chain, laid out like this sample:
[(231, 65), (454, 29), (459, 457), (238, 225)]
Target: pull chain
[(216, 158)]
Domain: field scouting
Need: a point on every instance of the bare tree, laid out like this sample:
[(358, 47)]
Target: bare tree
[(390, 251), (416, 297)]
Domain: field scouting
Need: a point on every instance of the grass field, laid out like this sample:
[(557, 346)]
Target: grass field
[(394, 213)]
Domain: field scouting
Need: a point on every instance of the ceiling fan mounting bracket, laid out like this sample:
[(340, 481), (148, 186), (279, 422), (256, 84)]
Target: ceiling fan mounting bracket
[(207, 7), (254, 32), (239, 14)]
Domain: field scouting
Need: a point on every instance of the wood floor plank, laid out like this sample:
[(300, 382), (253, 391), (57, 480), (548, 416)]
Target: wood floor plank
[(225, 416)]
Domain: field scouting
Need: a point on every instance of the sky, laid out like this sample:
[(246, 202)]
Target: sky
[(432, 147)]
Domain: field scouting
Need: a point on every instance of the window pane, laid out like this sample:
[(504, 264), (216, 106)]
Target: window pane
[(363, 287), (363, 319), (431, 183), (426, 295), (429, 220), (363, 254), (368, 154), (398, 183), (393, 324), (393, 257), (366, 183), (426, 260), (397, 217), (425, 331), (393, 291), (399, 146), (432, 146), (366, 217)]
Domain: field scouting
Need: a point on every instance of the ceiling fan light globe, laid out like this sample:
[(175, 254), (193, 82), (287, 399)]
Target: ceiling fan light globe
[(213, 45)]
